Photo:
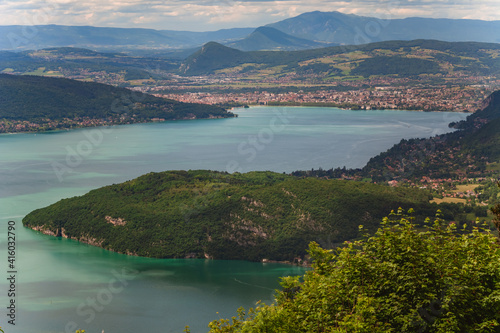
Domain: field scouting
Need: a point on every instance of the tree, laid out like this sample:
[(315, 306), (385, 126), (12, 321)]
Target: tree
[(402, 279), (496, 221)]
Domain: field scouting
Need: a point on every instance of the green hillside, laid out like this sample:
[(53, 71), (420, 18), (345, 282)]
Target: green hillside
[(199, 214), (473, 151), (213, 56), (43, 99), (402, 66), (381, 58), (490, 110)]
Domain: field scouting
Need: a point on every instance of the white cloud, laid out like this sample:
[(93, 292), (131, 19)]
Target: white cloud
[(199, 15)]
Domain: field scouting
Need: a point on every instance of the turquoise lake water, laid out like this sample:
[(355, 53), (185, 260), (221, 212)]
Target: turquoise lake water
[(61, 283)]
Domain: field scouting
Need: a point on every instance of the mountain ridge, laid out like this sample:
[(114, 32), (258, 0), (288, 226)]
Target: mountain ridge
[(353, 29), (329, 27), (109, 38)]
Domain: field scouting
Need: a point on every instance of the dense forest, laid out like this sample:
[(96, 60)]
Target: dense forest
[(383, 65), (252, 216), (33, 98)]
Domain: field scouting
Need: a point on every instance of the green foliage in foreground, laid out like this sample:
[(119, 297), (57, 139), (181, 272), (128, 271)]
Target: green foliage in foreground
[(399, 280)]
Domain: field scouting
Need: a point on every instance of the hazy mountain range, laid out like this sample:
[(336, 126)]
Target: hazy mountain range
[(306, 31), (335, 27)]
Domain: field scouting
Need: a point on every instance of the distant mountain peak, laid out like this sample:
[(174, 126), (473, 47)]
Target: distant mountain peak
[(210, 57), (269, 38), (215, 49), (348, 28), (213, 46)]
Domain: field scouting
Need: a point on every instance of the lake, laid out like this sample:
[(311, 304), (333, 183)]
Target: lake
[(62, 285)]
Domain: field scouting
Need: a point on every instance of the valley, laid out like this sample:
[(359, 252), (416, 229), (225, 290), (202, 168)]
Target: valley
[(425, 75)]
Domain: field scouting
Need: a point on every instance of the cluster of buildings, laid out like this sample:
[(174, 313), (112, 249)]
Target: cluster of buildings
[(414, 98), (12, 126)]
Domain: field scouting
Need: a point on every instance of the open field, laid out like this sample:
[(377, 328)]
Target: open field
[(449, 200), (465, 188)]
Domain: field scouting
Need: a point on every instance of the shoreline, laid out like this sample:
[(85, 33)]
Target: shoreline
[(323, 105), (234, 115), (104, 124), (60, 233)]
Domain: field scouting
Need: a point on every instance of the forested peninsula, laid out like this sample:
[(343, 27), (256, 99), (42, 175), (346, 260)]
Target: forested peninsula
[(36, 103), (207, 214)]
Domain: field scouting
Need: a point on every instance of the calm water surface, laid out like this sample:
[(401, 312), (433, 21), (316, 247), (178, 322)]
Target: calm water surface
[(61, 284)]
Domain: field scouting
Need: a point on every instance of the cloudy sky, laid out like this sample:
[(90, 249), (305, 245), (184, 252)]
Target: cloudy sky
[(204, 15)]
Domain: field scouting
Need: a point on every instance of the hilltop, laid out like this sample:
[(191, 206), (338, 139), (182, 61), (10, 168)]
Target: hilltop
[(267, 38), (34, 103)]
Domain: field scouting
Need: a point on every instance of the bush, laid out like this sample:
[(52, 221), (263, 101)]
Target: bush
[(402, 279)]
